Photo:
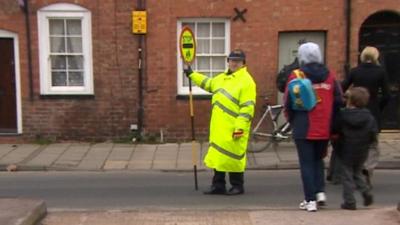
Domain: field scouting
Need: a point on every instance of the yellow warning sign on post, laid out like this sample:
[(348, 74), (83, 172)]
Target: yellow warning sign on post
[(187, 45), (139, 22)]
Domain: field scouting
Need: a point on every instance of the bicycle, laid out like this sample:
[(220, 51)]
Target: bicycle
[(268, 130)]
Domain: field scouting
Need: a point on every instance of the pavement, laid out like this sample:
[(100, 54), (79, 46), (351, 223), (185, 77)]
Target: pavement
[(172, 157), (162, 157)]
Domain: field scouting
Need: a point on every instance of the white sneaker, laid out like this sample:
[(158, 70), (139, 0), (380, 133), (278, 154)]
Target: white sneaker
[(321, 199), (303, 205), (310, 206)]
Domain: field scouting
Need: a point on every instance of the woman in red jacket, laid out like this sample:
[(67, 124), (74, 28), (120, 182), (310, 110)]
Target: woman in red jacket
[(311, 129)]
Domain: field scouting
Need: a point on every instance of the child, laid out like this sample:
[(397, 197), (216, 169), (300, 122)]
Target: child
[(357, 129)]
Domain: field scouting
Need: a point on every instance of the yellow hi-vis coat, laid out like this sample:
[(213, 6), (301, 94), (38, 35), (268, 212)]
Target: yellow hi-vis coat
[(233, 102)]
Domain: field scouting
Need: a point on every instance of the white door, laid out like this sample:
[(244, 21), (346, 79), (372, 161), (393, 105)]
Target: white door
[(288, 45)]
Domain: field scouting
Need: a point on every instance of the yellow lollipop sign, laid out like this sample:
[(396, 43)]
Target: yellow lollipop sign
[(187, 45)]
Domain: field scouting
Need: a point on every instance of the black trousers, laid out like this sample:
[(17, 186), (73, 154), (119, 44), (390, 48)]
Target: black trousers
[(236, 179)]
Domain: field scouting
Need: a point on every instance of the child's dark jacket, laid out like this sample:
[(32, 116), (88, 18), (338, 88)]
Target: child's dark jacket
[(357, 129)]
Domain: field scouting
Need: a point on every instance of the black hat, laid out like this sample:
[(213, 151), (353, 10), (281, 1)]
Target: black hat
[(237, 54)]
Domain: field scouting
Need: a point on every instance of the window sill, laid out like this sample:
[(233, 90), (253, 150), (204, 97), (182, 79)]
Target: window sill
[(195, 97), (77, 96)]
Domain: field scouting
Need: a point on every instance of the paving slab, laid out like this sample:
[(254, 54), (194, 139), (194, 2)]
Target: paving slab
[(121, 152), (19, 154), (142, 158), (119, 157), (166, 156), (49, 155), (6, 148), (115, 165), (72, 157), (185, 156), (95, 157), (18, 211)]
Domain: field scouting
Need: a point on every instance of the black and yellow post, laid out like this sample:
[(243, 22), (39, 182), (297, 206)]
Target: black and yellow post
[(187, 46)]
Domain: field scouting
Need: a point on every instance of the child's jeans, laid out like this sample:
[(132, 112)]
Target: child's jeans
[(352, 179)]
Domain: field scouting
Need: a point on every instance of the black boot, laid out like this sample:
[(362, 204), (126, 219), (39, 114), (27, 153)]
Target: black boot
[(237, 180), (215, 191), (235, 191), (348, 206), (368, 199)]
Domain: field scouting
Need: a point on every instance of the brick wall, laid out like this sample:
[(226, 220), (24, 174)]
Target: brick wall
[(113, 108)]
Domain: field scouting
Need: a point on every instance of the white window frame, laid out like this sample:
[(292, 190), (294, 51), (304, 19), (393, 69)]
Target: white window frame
[(182, 90), (64, 11)]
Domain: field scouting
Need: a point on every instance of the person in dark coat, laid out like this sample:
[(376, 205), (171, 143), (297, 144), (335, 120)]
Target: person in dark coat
[(370, 75), (357, 130), (284, 73)]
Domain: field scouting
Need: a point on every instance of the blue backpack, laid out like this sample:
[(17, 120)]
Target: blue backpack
[(301, 91)]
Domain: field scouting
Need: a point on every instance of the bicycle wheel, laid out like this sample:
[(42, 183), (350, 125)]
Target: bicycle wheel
[(262, 137), (259, 143)]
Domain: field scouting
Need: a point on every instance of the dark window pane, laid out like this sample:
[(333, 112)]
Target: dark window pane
[(74, 27), (203, 46), (218, 29), (74, 44), (75, 79), (218, 63), (56, 27), (58, 62), (75, 62), (203, 63), (218, 46), (57, 45), (58, 79), (203, 30)]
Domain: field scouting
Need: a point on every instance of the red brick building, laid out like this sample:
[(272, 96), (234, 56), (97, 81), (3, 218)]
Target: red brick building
[(74, 72)]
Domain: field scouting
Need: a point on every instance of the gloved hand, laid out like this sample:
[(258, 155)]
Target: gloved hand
[(187, 70), (237, 134)]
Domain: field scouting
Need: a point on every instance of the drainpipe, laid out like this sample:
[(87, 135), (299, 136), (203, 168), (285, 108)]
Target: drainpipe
[(24, 4), (141, 5), (348, 37)]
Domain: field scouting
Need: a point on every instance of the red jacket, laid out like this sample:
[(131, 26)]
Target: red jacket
[(315, 124)]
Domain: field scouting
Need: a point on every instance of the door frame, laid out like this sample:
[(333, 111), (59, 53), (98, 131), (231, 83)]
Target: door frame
[(14, 36)]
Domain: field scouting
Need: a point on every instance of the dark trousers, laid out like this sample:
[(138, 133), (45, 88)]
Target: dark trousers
[(352, 178), (311, 154), (334, 170), (236, 179)]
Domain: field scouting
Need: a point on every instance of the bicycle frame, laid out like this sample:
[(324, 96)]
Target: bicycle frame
[(261, 139), (274, 118)]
